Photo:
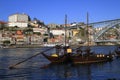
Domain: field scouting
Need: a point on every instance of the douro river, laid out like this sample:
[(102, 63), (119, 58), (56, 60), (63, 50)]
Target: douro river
[(38, 68)]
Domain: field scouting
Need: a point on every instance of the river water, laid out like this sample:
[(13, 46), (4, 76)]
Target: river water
[(37, 68)]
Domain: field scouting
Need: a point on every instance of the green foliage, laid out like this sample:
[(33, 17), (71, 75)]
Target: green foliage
[(38, 33), (6, 42), (45, 34), (28, 31), (82, 32)]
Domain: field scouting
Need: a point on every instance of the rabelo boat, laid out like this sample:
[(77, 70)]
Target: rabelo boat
[(79, 57)]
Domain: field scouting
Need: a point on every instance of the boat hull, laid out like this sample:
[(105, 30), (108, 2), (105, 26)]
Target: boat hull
[(53, 59), (78, 59), (90, 59)]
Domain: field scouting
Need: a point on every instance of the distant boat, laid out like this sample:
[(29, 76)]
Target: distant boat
[(117, 51), (49, 45), (53, 45), (1, 46)]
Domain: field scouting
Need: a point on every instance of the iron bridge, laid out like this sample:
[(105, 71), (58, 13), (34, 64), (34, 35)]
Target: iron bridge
[(109, 28)]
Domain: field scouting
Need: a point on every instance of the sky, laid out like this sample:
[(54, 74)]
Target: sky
[(54, 11)]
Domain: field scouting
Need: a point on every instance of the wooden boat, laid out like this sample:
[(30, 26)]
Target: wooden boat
[(80, 57), (89, 57), (56, 57), (117, 51)]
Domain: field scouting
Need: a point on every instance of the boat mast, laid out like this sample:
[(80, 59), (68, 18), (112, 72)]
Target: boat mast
[(87, 29), (65, 28), (65, 50), (88, 45)]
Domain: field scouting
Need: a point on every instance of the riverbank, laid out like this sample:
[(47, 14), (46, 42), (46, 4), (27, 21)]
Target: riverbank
[(22, 46), (41, 45)]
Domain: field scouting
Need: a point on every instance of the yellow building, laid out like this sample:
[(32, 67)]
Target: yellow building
[(74, 32)]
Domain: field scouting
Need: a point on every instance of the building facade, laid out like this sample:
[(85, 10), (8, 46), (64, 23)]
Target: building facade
[(19, 20)]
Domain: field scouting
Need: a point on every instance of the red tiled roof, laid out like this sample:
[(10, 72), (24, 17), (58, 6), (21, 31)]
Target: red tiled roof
[(2, 22), (19, 32)]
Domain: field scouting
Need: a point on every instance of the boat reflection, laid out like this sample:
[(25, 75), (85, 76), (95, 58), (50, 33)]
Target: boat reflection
[(76, 72)]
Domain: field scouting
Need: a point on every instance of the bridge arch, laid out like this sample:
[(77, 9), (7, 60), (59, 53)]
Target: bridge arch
[(108, 27)]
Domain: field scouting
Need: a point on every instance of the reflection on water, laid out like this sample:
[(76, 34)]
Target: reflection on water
[(38, 68)]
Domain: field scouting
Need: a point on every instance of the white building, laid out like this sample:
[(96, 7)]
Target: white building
[(57, 32), (19, 20), (41, 30)]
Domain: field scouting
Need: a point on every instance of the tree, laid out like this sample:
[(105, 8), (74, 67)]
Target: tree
[(38, 33), (6, 42)]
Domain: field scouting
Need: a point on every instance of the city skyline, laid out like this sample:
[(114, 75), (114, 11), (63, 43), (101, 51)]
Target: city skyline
[(53, 11)]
